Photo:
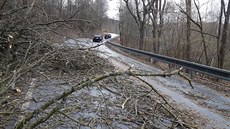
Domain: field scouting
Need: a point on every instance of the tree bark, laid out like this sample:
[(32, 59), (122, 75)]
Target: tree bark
[(154, 24), (161, 13), (188, 44), (142, 37), (219, 33)]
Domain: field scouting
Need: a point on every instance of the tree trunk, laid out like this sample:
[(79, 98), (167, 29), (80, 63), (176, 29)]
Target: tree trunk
[(188, 11), (141, 38), (161, 13), (140, 18), (60, 8), (154, 39), (224, 37), (219, 33), (155, 26), (202, 36)]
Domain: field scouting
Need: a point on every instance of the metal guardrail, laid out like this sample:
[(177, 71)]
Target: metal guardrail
[(216, 72)]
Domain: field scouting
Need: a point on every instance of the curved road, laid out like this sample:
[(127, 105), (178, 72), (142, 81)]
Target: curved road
[(205, 101), (178, 89)]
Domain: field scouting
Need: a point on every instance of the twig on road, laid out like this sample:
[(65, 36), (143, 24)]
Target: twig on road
[(123, 104), (72, 119), (84, 84)]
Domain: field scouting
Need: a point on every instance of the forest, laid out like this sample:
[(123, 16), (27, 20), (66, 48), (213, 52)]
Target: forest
[(192, 30), (52, 74)]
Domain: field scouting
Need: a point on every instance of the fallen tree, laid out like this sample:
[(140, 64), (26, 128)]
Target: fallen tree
[(27, 32)]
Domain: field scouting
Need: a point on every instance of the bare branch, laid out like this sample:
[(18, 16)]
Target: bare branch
[(182, 10), (133, 15), (63, 21), (83, 84), (73, 119), (3, 5), (204, 33), (123, 104)]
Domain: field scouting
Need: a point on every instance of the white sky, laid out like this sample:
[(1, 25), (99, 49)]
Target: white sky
[(113, 9)]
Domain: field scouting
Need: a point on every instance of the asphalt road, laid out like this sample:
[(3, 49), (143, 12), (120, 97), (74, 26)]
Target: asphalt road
[(207, 102)]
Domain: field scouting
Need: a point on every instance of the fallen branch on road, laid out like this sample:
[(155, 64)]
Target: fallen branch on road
[(21, 124)]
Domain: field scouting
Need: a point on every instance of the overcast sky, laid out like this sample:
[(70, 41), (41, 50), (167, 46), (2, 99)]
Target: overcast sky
[(113, 9)]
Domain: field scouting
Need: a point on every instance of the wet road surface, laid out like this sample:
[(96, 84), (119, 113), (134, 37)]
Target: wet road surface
[(179, 90), (205, 101)]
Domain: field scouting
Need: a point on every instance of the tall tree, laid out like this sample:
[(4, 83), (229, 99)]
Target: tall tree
[(140, 13), (223, 45), (188, 37), (128, 28), (156, 13)]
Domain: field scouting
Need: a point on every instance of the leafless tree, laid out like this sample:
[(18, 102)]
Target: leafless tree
[(157, 8), (192, 31), (222, 51), (139, 13), (128, 27), (188, 37)]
